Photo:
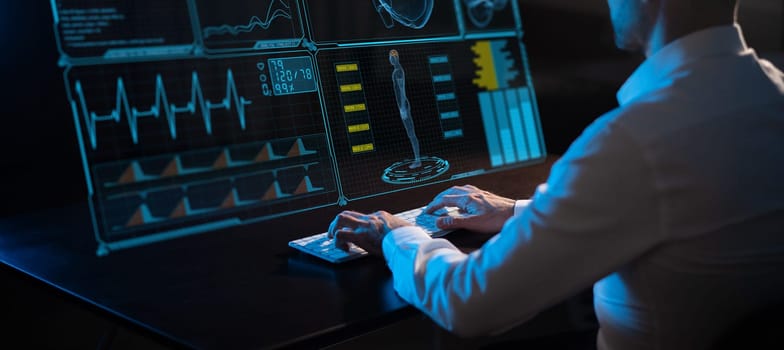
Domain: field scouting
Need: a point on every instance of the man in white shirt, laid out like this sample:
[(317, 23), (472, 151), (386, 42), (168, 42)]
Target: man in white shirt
[(672, 204)]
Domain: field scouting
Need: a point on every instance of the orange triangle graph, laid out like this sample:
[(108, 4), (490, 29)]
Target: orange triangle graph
[(271, 194), (229, 202), (171, 169), (137, 219), (128, 176), (294, 151), (179, 211), (303, 187), (264, 154), (222, 161)]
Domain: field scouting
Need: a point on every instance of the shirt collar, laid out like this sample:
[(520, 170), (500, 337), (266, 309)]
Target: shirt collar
[(656, 72)]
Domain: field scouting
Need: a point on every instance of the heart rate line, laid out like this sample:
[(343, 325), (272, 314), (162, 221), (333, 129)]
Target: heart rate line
[(161, 107)]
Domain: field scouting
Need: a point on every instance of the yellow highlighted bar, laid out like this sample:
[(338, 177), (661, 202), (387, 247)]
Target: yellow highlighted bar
[(348, 67), (351, 87), (354, 108), (358, 127), (362, 148)]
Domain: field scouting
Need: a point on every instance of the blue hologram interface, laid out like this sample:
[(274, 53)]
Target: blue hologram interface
[(197, 116)]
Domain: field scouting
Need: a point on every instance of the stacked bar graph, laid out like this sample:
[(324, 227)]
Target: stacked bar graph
[(510, 126), (508, 115)]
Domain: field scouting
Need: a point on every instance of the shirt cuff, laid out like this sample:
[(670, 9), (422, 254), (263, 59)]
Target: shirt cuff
[(406, 235), (520, 205)]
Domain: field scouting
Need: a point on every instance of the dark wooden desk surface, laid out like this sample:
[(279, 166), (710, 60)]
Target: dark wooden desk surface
[(238, 288)]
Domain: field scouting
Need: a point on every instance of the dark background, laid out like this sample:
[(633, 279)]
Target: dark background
[(576, 71)]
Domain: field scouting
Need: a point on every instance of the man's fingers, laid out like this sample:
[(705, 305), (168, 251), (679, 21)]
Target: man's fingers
[(350, 220), (452, 191), (456, 222), (345, 219), (352, 213), (459, 201), (434, 205), (344, 237)]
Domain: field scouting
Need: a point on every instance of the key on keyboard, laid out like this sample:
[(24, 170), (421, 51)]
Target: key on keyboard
[(320, 246)]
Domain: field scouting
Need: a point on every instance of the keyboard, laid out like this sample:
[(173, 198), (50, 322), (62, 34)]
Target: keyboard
[(319, 245)]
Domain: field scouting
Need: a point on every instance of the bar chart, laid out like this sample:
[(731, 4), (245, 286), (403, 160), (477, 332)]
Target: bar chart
[(511, 129)]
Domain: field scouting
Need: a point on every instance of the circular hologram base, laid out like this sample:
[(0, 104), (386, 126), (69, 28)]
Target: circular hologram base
[(401, 172)]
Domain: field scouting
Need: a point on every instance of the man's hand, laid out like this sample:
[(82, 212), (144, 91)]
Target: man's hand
[(484, 212), (366, 231)]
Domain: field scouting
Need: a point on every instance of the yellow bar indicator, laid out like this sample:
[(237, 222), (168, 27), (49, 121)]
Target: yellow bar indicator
[(362, 148), (348, 67), (358, 128), (351, 87), (354, 108)]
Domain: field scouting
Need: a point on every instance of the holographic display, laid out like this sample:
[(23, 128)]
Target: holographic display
[(199, 116)]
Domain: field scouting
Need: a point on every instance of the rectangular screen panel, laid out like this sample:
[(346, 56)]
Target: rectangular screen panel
[(235, 25), (113, 29), (468, 105), (182, 145)]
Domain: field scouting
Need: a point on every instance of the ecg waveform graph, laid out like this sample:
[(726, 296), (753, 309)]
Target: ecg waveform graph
[(161, 107), (277, 9)]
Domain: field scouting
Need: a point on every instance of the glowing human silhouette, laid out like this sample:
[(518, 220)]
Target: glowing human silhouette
[(410, 13), (481, 11), (399, 81)]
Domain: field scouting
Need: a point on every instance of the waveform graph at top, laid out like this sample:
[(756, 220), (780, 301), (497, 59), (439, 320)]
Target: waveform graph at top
[(157, 106), (234, 25)]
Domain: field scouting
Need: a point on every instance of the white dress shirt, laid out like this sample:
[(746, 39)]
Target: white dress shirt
[(673, 202)]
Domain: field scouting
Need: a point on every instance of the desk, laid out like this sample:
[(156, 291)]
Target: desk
[(243, 288)]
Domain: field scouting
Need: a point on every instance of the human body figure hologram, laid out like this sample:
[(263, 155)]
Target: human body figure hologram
[(420, 168), (399, 82)]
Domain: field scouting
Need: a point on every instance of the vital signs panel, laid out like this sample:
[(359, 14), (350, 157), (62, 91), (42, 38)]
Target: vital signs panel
[(183, 146)]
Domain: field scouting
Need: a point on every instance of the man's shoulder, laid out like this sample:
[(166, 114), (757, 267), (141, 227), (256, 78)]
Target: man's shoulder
[(649, 117)]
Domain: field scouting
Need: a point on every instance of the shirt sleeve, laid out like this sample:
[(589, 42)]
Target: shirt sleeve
[(520, 205), (597, 212)]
